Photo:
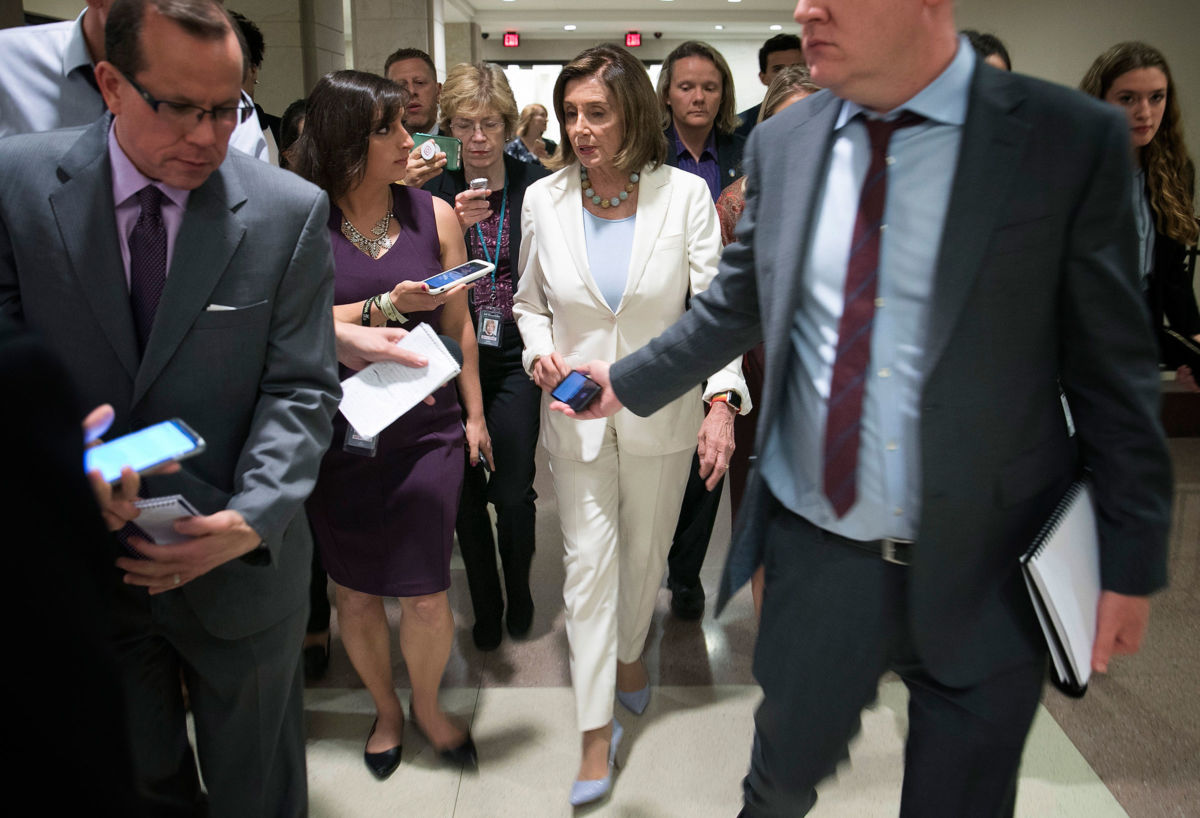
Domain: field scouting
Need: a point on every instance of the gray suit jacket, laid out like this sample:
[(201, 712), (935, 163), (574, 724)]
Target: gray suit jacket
[(258, 382), (1034, 285)]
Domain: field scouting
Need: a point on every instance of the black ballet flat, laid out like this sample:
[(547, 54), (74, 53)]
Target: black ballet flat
[(382, 764), (463, 755)]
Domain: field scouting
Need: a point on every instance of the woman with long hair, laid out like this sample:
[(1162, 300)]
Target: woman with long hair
[(1136, 77), (383, 508), (529, 145)]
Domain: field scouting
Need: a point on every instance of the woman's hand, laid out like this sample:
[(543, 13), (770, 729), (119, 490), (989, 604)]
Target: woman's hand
[(1187, 379), (471, 207), (414, 296), (479, 442), (421, 170), (549, 370), (715, 442)]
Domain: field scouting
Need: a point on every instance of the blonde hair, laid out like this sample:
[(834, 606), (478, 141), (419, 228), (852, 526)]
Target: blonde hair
[(632, 95), (727, 118), (1169, 170), (794, 79), (471, 88), (527, 114)]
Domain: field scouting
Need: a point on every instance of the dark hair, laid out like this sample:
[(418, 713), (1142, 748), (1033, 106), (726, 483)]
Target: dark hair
[(410, 54), (290, 125), (256, 46), (632, 94), (206, 19), (344, 109), (727, 118), (780, 42), (1170, 175), (986, 45)]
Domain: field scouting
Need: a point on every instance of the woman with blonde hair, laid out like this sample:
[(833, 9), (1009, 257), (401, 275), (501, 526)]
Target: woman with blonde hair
[(612, 247), (1136, 77), (478, 107), (529, 145)]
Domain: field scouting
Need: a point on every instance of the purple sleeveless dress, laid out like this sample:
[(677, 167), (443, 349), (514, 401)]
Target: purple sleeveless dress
[(385, 524)]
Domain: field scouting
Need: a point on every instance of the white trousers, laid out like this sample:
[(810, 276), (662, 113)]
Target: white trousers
[(618, 516)]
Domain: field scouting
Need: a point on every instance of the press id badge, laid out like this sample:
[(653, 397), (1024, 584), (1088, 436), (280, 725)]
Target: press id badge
[(491, 323), (360, 444)]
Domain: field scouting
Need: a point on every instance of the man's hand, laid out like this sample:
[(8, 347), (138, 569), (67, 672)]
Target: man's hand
[(1120, 625), (217, 539), (471, 207), (116, 503), (715, 442), (603, 405), (419, 170)]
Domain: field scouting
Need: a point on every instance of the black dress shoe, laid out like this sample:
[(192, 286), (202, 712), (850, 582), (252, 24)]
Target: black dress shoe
[(462, 755), (486, 634), (316, 661), (382, 764), (688, 602), (519, 620)]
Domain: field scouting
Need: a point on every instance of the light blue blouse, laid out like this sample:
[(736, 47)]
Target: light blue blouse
[(609, 245)]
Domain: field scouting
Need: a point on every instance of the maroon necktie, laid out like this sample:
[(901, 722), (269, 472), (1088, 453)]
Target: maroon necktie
[(854, 328), (147, 262)]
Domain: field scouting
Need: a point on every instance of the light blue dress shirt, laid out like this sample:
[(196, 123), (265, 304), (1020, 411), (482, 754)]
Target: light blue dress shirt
[(921, 162), (1144, 219), (44, 79), (609, 246)]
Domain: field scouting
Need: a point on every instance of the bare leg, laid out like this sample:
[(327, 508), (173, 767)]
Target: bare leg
[(426, 635), (365, 634), (594, 762), (631, 677)]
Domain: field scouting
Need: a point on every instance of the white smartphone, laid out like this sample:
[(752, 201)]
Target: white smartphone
[(143, 450), (478, 184), (462, 274)]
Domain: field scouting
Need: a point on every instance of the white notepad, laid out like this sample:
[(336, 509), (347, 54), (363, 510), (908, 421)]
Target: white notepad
[(1062, 571), (158, 516), (375, 397)]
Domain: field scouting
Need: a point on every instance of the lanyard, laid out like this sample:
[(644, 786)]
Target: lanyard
[(499, 234)]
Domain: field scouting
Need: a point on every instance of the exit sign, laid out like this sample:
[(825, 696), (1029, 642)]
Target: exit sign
[(511, 39), (633, 39)]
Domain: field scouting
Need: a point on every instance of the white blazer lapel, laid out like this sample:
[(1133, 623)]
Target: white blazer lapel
[(568, 207), (654, 198)]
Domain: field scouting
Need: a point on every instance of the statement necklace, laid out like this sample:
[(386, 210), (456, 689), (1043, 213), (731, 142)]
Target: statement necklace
[(373, 247), (590, 193)]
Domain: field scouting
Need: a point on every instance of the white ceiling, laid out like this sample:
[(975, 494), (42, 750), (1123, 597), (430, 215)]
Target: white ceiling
[(602, 19)]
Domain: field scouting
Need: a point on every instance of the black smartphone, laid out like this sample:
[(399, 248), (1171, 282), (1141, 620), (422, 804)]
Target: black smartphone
[(143, 449), (576, 390)]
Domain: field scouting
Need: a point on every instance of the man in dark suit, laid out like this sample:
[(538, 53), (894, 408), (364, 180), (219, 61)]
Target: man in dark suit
[(776, 54), (176, 280), (953, 244)]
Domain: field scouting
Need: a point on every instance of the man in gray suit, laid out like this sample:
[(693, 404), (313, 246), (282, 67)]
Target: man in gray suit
[(929, 249), (176, 280)]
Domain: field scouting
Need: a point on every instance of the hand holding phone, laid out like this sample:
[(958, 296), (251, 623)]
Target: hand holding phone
[(171, 440), (576, 391), (462, 274), (428, 146)]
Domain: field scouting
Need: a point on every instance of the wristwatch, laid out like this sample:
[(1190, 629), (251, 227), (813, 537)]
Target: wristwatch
[(728, 396)]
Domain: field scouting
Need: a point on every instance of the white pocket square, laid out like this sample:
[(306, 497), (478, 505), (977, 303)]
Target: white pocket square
[(218, 308)]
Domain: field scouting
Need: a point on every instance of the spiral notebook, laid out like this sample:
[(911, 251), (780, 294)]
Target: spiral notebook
[(1062, 572), (158, 515)]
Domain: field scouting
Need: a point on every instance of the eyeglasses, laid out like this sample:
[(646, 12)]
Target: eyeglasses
[(184, 116), (467, 127)]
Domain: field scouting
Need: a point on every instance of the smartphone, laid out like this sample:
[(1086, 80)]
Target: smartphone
[(576, 390), (448, 145), (462, 274), (143, 449)]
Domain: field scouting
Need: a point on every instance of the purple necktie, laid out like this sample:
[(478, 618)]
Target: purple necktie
[(147, 262), (844, 418)]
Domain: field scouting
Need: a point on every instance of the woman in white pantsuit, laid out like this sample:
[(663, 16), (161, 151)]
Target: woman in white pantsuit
[(613, 244)]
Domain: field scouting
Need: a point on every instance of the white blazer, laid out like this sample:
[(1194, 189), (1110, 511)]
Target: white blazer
[(559, 307)]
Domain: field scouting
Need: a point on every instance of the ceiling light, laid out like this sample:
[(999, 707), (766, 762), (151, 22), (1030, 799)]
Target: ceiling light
[(719, 28), (776, 27), (569, 27)]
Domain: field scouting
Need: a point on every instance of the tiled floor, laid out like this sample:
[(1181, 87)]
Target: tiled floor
[(686, 756)]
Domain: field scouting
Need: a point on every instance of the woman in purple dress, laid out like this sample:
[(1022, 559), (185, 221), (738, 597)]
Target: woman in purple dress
[(383, 509)]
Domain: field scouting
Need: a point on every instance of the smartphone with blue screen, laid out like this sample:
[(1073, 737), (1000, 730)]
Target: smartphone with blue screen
[(576, 390), (143, 450), (462, 274)]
